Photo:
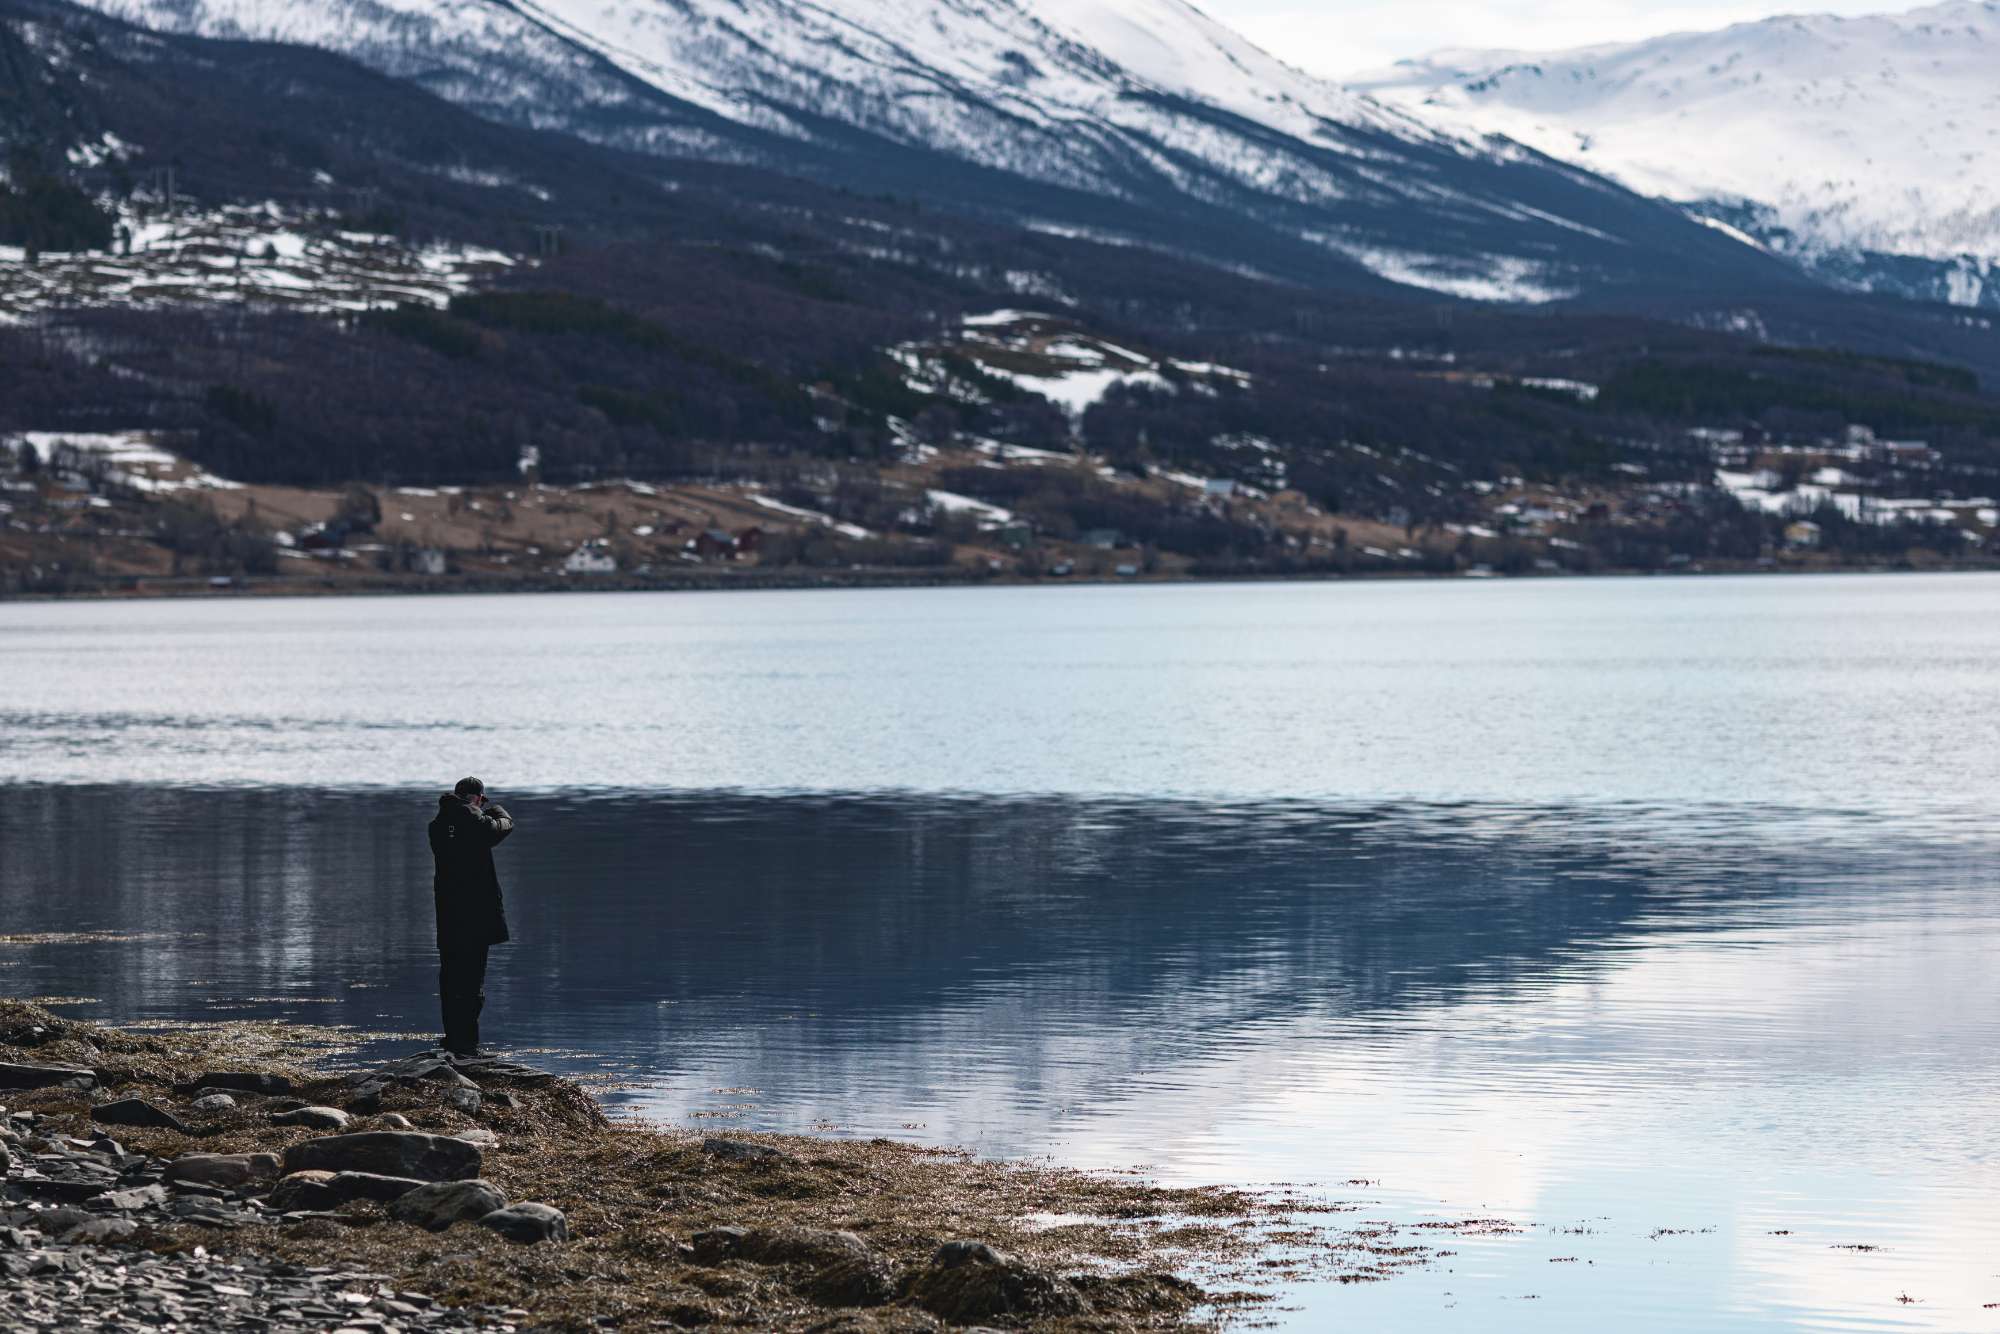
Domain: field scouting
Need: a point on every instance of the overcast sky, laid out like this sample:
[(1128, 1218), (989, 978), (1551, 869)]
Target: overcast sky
[(1344, 36)]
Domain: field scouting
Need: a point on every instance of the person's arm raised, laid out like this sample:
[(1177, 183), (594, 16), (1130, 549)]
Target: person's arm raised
[(496, 822)]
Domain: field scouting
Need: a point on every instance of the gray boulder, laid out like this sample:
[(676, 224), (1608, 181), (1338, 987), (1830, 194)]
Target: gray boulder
[(366, 1099), (462, 1099), (317, 1191), (55, 1222), (211, 1103), (374, 1186), (396, 1153), (225, 1170), (396, 1121), (528, 1223), (437, 1207), (303, 1191), (237, 1081), (313, 1118), (136, 1112)]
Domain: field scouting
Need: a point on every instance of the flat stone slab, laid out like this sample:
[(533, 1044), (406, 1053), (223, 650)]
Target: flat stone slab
[(44, 1076), (483, 1068), (53, 1287), (348, 1186), (62, 1192), (435, 1063), (313, 1118), (394, 1153), (225, 1170), (129, 1201), (136, 1112), (243, 1081)]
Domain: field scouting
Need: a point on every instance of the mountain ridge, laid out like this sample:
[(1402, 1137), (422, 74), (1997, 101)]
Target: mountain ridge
[(997, 103), (1867, 149)]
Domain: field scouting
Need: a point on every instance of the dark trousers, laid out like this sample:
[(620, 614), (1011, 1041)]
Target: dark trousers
[(462, 990)]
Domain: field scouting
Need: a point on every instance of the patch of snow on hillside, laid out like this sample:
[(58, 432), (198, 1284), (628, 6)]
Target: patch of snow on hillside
[(132, 459), (1009, 453), (1581, 391), (1210, 370), (1964, 285), (107, 148), (1045, 355), (1733, 233), (248, 255), (1076, 392), (953, 503), (853, 530), (1502, 278), (1000, 319)]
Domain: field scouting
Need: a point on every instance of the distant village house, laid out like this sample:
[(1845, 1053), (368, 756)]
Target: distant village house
[(592, 557)]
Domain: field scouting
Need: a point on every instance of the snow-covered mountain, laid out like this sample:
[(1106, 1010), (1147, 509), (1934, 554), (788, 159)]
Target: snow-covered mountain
[(1868, 148), (1126, 120)]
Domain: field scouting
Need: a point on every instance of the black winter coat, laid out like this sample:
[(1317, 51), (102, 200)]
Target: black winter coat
[(469, 911)]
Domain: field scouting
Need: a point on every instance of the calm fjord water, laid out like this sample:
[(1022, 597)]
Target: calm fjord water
[(1640, 907)]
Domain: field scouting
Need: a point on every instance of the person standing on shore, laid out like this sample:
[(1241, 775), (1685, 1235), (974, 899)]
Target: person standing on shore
[(471, 918)]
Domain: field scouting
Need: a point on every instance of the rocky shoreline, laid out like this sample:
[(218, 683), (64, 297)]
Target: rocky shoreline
[(206, 1178)]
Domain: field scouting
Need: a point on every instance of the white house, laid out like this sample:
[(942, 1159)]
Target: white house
[(591, 558)]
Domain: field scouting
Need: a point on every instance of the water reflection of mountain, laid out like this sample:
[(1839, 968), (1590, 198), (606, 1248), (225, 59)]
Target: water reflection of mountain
[(1052, 944)]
